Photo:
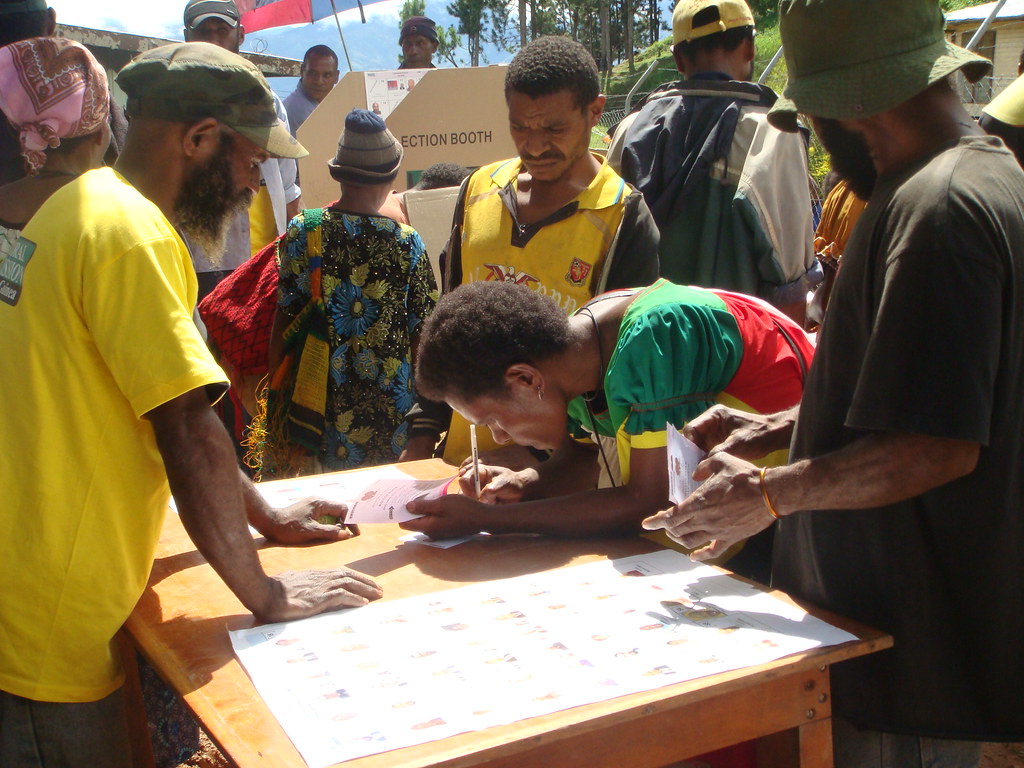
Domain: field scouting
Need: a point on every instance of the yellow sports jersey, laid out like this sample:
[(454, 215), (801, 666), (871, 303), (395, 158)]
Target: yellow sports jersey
[(561, 258), (262, 224), (96, 330)]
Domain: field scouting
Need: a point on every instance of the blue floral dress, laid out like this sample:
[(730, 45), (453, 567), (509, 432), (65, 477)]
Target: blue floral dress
[(378, 287)]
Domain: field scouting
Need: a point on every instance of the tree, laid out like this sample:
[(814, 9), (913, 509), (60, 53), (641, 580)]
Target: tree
[(605, 62), (480, 20), (627, 10)]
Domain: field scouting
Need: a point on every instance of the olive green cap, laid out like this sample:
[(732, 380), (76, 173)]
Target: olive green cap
[(185, 82), (849, 59)]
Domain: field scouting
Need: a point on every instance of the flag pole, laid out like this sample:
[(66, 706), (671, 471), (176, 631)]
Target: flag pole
[(342, 36)]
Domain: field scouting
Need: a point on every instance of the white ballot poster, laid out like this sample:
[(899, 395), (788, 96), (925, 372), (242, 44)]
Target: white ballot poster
[(395, 673), (386, 89), (377, 495), (683, 458)]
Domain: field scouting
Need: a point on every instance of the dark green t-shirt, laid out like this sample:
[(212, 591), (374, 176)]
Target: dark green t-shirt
[(925, 334)]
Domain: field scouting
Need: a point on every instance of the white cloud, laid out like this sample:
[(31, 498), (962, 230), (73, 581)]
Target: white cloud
[(161, 18), (382, 11)]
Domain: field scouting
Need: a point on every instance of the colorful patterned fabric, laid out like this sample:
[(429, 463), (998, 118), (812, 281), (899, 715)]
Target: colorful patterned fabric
[(377, 287), (51, 89)]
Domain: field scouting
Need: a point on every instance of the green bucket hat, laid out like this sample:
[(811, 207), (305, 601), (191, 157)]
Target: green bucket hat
[(185, 82), (849, 59), (25, 6)]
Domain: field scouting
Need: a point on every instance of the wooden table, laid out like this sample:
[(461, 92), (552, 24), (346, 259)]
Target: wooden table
[(182, 620)]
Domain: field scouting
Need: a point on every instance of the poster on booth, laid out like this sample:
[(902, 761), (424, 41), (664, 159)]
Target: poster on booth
[(401, 672), (386, 89)]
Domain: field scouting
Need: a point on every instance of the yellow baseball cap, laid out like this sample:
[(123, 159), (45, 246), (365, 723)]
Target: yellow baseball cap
[(711, 16), (1008, 106)]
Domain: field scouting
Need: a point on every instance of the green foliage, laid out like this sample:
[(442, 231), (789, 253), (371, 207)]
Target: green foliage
[(956, 5), (477, 18), (411, 8), (448, 44)]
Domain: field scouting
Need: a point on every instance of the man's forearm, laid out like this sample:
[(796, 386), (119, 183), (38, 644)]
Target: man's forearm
[(204, 477), (879, 469), (257, 511)]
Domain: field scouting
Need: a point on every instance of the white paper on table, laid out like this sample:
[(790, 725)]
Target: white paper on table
[(683, 457), (384, 501), (333, 487), (391, 674), (422, 538), (377, 495)]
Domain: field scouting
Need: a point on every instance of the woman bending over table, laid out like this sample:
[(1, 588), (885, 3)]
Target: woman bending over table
[(620, 368)]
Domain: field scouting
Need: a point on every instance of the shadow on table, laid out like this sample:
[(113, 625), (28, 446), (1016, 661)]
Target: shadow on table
[(489, 557)]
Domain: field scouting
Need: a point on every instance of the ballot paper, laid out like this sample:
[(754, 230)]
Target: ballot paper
[(384, 501), (395, 673), (683, 457), (377, 495), (385, 89)]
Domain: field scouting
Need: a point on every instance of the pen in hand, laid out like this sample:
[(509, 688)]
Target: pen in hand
[(476, 459)]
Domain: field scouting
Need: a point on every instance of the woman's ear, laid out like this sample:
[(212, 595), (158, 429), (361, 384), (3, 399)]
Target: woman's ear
[(525, 376)]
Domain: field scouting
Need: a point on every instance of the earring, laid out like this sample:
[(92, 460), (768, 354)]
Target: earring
[(540, 393)]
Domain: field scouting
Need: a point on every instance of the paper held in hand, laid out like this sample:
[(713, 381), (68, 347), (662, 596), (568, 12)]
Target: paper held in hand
[(683, 458)]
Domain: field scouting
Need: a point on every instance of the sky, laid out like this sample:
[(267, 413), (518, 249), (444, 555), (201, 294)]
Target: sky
[(373, 45)]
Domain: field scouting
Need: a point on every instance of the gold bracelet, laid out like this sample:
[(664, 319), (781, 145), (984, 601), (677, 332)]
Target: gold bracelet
[(764, 494)]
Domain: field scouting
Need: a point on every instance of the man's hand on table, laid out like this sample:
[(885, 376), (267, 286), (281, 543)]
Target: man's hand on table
[(309, 520), (447, 517), (297, 594), (727, 508)]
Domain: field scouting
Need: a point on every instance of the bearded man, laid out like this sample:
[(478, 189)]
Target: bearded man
[(901, 506), (108, 387), (278, 196)]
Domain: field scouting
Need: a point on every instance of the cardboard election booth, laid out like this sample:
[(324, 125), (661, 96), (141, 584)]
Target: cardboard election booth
[(439, 115)]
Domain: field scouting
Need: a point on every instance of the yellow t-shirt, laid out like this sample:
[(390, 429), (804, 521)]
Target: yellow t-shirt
[(262, 224), (96, 330), (562, 259)]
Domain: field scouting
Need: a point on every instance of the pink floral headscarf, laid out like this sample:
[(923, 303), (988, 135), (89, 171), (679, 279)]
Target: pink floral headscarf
[(51, 89)]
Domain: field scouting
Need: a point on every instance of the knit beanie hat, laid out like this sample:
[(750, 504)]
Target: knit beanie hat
[(367, 151)]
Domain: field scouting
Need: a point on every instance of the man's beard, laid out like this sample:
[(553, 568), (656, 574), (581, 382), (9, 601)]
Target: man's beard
[(850, 157), (208, 202)]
